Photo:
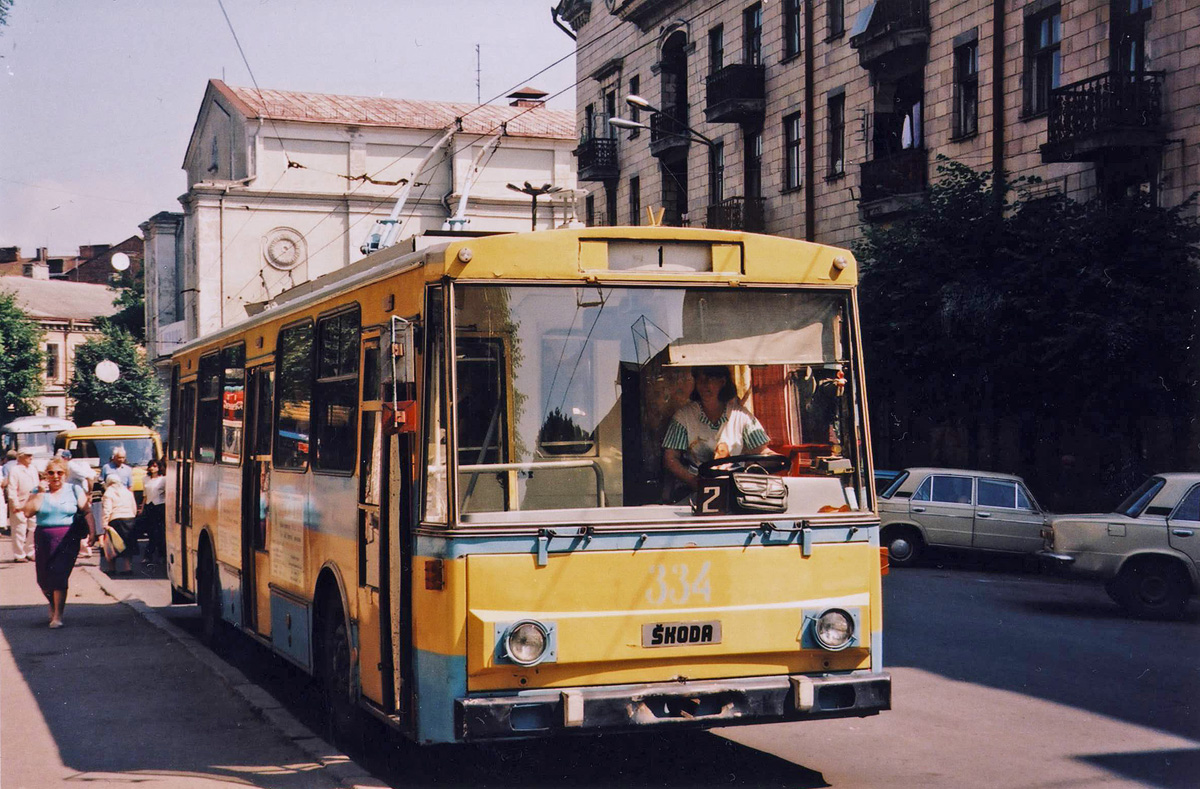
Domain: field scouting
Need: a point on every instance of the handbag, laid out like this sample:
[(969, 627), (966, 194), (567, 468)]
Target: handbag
[(80, 529), (113, 541), (754, 490)]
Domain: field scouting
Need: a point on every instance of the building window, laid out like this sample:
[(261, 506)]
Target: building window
[(791, 152), (752, 35), (1043, 34), (589, 210), (791, 28), (610, 203), (52, 410), (716, 49), (837, 17), (837, 135), (753, 174), (635, 114), (635, 201), (966, 90), (1128, 42), (52, 361), (716, 173)]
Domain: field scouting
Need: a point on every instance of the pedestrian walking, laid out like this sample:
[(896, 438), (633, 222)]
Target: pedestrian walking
[(118, 508), (54, 506), (154, 507), (21, 484), (9, 457), (117, 465)]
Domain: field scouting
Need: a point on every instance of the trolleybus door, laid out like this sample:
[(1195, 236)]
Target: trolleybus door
[(255, 491), (183, 482)]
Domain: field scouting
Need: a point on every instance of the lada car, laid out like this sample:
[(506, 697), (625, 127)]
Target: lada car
[(1147, 552), (955, 508)]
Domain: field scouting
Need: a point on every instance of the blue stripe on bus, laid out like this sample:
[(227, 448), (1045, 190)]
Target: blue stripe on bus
[(440, 680), (456, 547)]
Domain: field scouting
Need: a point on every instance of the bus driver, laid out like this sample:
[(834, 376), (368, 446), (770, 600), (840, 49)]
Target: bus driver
[(713, 425)]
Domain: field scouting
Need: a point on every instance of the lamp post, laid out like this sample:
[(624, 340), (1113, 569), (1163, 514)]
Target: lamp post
[(535, 192), (639, 103)]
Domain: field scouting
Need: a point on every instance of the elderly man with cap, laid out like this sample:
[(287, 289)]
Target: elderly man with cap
[(22, 483)]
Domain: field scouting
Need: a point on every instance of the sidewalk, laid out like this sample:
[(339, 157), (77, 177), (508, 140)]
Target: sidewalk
[(120, 695)]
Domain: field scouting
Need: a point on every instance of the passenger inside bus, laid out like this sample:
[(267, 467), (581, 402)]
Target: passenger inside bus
[(713, 425)]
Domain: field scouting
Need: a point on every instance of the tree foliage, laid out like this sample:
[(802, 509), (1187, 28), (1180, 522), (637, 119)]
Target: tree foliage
[(131, 308), (133, 399), (21, 360), (1047, 312)]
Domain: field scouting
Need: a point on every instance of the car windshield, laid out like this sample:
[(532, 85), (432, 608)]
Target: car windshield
[(565, 394), (1135, 504), (138, 451)]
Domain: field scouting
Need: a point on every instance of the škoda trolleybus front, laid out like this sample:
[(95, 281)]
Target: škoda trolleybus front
[(531, 567)]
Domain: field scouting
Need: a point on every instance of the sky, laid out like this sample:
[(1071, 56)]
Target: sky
[(98, 97)]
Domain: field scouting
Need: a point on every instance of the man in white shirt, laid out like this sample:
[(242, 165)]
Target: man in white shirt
[(22, 483)]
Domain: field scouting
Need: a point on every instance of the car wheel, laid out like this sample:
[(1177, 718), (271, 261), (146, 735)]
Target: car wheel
[(1152, 589), (904, 547)]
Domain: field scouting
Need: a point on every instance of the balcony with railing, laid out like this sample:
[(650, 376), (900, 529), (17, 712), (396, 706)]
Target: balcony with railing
[(737, 213), (669, 136), (1113, 114), (597, 151), (893, 184), (889, 32), (736, 93)]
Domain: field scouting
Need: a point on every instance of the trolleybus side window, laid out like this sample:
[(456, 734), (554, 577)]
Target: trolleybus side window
[(293, 400), (436, 460), (208, 410), (233, 399), (335, 394)]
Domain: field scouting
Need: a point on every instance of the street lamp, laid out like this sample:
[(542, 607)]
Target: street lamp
[(638, 103), (535, 192)]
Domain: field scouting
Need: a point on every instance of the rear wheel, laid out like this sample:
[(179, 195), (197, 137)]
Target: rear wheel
[(1151, 588), (904, 546), (334, 671)]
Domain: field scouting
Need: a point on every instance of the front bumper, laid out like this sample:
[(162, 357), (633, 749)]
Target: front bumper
[(701, 703)]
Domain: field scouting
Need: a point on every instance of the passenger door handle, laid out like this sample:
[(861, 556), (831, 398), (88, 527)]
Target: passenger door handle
[(983, 514), (918, 509), (1182, 532)]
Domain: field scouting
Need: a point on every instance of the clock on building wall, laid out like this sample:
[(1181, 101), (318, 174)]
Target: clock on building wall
[(284, 248)]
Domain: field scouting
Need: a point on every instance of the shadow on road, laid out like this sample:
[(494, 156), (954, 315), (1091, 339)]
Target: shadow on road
[(1167, 769)]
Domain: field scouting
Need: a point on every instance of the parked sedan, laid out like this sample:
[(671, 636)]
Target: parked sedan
[(1147, 552), (954, 508)]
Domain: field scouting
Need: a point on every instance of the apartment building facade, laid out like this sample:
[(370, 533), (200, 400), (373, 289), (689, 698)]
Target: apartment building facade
[(808, 119)]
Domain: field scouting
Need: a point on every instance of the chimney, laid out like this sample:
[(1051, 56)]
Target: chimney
[(10, 254), (527, 97), (43, 254), (39, 268)]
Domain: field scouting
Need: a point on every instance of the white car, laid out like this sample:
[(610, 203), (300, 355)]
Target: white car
[(1147, 552)]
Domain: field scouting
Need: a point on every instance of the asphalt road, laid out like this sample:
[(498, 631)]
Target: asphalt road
[(1001, 678)]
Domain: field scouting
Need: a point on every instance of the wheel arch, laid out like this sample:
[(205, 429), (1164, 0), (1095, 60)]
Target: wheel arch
[(1144, 557), (330, 587)]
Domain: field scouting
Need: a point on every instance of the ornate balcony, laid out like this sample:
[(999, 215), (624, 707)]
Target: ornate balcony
[(737, 213), (669, 138), (1112, 115), (891, 34), (735, 93), (893, 184), (597, 152)]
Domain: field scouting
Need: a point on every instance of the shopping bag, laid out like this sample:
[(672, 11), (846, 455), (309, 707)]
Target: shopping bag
[(113, 541)]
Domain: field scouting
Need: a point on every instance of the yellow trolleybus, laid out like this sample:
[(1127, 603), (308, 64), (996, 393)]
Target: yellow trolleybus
[(435, 480)]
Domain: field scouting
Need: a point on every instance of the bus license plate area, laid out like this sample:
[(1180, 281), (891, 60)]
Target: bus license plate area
[(681, 634)]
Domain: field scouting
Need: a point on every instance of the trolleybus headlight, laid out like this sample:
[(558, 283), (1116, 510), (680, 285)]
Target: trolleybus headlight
[(526, 642), (834, 629)]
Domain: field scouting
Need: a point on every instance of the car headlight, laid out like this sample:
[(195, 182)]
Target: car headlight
[(834, 629), (526, 642)]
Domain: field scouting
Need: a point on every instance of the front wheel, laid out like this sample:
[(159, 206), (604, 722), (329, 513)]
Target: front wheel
[(208, 596), (1151, 589), (334, 671)]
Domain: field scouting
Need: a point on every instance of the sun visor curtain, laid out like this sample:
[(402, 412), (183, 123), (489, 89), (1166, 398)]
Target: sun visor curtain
[(718, 330)]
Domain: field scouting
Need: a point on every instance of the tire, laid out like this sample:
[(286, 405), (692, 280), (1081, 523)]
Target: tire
[(208, 597), (1151, 589), (904, 545), (333, 672)]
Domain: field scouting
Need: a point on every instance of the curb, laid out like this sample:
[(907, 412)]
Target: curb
[(335, 763)]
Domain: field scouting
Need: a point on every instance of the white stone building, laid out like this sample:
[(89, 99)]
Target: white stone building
[(285, 186)]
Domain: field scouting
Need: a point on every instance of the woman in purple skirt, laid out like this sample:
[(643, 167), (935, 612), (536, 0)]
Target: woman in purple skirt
[(56, 546)]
